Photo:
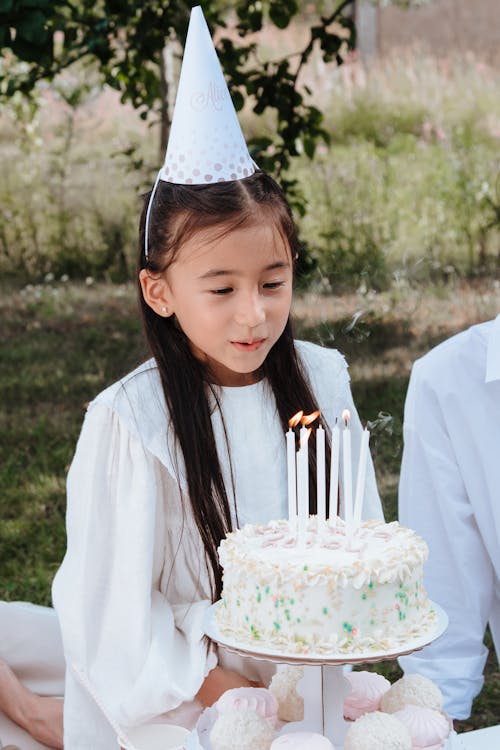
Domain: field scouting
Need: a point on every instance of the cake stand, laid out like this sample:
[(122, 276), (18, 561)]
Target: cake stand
[(323, 686)]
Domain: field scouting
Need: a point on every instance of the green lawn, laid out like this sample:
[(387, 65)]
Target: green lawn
[(63, 343)]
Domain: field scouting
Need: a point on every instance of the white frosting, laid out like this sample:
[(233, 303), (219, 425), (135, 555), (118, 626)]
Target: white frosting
[(334, 593)]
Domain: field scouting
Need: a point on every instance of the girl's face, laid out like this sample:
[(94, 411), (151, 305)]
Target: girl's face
[(231, 296)]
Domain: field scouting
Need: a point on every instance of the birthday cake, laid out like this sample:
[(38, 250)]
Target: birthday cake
[(330, 592)]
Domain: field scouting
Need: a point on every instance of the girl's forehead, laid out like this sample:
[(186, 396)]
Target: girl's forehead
[(248, 245)]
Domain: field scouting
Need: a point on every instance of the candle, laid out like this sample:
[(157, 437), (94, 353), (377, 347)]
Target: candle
[(320, 474), (347, 469), (303, 483), (361, 477), (334, 471), (292, 478)]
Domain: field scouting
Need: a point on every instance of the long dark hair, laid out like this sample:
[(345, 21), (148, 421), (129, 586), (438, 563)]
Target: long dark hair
[(178, 213)]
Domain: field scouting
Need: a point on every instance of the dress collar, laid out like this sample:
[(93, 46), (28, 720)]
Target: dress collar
[(493, 353)]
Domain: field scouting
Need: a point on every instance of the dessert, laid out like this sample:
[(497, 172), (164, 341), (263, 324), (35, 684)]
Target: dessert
[(244, 729), (414, 689), (429, 729), (332, 593), (367, 689), (283, 687), (260, 700), (377, 731)]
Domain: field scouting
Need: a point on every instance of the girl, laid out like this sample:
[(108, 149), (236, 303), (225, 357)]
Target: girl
[(181, 451), (187, 447)]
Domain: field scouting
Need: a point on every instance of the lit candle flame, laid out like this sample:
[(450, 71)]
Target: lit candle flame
[(294, 421), (309, 418), (346, 416)]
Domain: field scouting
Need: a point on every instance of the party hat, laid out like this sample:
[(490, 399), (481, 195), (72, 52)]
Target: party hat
[(206, 144)]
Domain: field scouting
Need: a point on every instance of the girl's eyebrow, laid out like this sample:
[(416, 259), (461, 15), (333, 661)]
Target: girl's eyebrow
[(214, 273)]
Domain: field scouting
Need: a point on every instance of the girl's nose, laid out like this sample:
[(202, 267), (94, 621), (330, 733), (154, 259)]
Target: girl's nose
[(250, 311)]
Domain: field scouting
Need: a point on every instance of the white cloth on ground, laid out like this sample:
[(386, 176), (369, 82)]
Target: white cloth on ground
[(450, 494), (133, 589)]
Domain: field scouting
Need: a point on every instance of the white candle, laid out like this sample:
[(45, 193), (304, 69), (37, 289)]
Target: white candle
[(303, 483), (361, 478), (334, 472), (347, 469), (292, 478), (320, 474)]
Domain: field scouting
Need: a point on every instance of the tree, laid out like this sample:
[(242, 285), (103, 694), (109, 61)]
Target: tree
[(127, 39)]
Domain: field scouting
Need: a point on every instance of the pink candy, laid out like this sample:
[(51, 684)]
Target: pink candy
[(260, 700), (367, 691)]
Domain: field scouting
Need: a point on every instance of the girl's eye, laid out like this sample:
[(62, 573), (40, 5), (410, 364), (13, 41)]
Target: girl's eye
[(226, 290), (273, 284)]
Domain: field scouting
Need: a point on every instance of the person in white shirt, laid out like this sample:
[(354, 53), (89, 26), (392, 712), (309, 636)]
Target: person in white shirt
[(450, 494)]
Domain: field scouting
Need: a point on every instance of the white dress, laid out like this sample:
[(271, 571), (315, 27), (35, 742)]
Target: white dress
[(132, 592)]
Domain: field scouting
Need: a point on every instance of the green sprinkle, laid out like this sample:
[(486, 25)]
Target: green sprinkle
[(298, 619), (276, 625), (259, 597), (363, 596), (305, 567), (237, 602), (292, 601), (267, 589), (325, 611)]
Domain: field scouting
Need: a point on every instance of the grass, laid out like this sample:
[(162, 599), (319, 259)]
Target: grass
[(65, 342)]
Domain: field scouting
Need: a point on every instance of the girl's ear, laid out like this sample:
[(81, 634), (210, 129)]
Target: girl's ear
[(156, 293)]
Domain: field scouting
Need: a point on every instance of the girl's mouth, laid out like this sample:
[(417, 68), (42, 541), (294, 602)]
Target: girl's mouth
[(251, 345)]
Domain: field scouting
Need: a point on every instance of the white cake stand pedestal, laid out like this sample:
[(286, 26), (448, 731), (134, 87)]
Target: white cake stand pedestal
[(324, 685)]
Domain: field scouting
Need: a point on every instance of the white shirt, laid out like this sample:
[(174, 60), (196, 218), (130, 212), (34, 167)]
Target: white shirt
[(132, 591), (450, 494)]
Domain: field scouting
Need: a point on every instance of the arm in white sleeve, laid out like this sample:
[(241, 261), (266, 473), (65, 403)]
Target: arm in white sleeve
[(458, 574), (139, 655)]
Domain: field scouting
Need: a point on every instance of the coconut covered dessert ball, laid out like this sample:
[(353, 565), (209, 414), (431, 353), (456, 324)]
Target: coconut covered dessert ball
[(283, 687), (413, 689), (367, 689), (429, 729), (302, 741), (258, 699), (377, 731), (243, 729)]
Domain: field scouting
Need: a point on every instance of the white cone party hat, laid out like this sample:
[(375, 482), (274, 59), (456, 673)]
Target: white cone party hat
[(206, 144)]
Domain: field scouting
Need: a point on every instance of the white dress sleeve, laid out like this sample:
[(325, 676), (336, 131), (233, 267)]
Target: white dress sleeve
[(138, 653), (458, 574)]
